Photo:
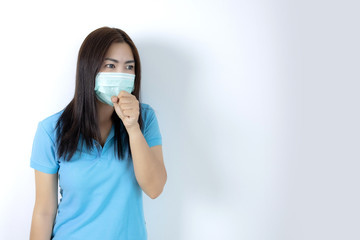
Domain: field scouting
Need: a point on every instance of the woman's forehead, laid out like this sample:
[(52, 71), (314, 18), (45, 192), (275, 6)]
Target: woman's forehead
[(119, 52)]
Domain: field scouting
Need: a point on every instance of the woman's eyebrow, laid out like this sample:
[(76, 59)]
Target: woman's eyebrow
[(114, 60), (111, 59)]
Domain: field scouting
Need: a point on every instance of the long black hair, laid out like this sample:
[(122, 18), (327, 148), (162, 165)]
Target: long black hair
[(80, 115)]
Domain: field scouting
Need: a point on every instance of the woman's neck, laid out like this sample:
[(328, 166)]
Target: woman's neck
[(104, 112)]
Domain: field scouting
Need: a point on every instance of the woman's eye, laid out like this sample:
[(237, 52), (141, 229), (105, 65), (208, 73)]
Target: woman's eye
[(130, 67), (110, 65)]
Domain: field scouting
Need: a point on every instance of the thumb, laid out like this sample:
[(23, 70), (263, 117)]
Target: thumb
[(117, 108)]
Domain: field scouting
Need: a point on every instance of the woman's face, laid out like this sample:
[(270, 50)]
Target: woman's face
[(119, 58)]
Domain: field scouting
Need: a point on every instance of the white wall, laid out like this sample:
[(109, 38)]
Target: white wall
[(257, 101)]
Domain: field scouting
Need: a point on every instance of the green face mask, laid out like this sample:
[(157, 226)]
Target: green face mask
[(108, 84)]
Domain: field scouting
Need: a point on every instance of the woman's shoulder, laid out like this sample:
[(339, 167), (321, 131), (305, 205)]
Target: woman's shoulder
[(146, 110), (145, 107), (49, 123)]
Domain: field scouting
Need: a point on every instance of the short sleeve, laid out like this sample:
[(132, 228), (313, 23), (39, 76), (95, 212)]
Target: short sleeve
[(43, 156), (152, 133)]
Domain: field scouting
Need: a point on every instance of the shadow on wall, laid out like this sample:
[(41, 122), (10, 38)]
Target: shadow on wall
[(169, 73)]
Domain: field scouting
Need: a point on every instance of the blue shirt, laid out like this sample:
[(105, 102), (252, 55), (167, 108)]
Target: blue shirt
[(100, 196)]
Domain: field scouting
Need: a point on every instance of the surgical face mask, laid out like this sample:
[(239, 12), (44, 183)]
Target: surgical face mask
[(108, 84)]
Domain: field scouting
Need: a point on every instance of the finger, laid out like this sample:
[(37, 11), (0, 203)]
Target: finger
[(119, 111), (127, 113), (117, 107), (124, 99), (125, 106), (131, 113), (114, 99), (124, 93)]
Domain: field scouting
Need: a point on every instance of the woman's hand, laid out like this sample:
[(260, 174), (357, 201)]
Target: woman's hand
[(127, 108)]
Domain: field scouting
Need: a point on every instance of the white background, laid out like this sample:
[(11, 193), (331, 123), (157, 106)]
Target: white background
[(257, 101)]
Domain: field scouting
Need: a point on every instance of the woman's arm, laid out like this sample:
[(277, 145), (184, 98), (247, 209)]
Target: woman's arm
[(45, 205), (148, 163)]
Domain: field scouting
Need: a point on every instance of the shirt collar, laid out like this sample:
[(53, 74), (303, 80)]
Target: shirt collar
[(109, 137)]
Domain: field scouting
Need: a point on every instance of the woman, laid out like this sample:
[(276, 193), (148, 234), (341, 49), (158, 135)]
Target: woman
[(104, 147)]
